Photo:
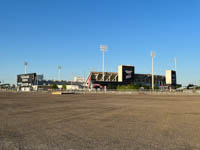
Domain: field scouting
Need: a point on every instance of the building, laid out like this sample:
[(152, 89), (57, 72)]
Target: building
[(34, 82), (171, 78), (70, 85), (5, 86), (40, 77), (126, 75), (78, 79)]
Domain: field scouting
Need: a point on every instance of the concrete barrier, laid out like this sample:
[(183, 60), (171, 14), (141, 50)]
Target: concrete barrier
[(56, 93)]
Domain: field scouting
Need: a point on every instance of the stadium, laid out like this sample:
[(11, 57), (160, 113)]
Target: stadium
[(103, 80), (126, 76)]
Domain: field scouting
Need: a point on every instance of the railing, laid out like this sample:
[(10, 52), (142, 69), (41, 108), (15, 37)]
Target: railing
[(144, 92), (114, 91)]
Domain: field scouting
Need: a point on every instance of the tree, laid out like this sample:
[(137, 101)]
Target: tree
[(128, 87), (64, 87), (178, 86), (136, 86), (13, 86), (118, 87), (54, 86)]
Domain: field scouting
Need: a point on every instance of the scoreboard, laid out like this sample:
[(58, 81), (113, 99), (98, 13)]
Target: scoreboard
[(126, 73), (27, 79)]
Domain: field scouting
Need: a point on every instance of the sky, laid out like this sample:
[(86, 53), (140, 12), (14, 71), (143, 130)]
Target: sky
[(68, 33)]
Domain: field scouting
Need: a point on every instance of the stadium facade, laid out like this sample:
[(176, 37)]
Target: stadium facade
[(126, 75)]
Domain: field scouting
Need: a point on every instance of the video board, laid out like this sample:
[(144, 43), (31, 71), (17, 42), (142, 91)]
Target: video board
[(173, 74), (29, 79), (128, 73)]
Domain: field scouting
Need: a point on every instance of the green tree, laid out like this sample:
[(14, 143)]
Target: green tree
[(64, 87), (128, 87), (156, 87), (118, 87), (136, 86), (54, 86), (109, 86), (178, 86)]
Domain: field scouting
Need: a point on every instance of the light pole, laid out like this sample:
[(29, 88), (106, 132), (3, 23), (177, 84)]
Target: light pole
[(152, 55), (59, 73), (175, 63), (72, 79), (84, 76), (25, 67), (103, 49)]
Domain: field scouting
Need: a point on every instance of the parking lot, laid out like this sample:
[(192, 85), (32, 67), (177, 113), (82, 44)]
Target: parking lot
[(43, 121)]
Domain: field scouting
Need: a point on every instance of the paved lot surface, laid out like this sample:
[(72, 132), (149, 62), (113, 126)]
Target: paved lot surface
[(32, 121)]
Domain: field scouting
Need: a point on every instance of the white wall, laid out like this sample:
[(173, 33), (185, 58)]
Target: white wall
[(25, 89), (168, 77), (120, 74), (72, 87)]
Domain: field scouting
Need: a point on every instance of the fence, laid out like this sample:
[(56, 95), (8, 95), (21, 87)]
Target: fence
[(127, 92), (143, 92)]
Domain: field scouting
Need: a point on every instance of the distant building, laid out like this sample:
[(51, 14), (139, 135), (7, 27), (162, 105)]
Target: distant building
[(78, 79), (5, 86), (47, 84), (34, 82), (40, 77)]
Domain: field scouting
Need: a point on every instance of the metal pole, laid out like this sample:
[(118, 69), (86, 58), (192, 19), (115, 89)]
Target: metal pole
[(84, 76), (152, 74), (152, 55), (37, 82), (59, 73), (175, 63), (25, 65), (103, 49), (72, 79), (103, 66)]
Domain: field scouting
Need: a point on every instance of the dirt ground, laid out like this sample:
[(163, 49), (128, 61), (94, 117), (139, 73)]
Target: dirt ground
[(41, 121)]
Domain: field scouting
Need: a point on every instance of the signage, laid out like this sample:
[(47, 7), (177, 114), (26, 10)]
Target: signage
[(128, 73), (26, 79)]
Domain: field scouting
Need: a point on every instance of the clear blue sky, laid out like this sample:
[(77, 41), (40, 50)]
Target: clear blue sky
[(48, 33)]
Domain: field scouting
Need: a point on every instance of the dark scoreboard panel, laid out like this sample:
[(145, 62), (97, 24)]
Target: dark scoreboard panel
[(27, 78), (173, 77), (128, 73)]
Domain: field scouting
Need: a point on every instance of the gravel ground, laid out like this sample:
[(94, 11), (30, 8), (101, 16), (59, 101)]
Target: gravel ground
[(41, 121)]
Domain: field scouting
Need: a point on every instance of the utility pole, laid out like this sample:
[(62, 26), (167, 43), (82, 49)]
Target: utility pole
[(25, 67), (103, 49), (152, 55)]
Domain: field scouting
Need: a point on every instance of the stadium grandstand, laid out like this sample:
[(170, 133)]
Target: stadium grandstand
[(125, 76)]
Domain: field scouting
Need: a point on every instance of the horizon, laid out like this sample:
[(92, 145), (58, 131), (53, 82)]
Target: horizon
[(48, 34)]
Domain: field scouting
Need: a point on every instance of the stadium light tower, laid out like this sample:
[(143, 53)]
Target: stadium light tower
[(103, 49), (152, 55), (25, 67), (175, 63), (59, 73)]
